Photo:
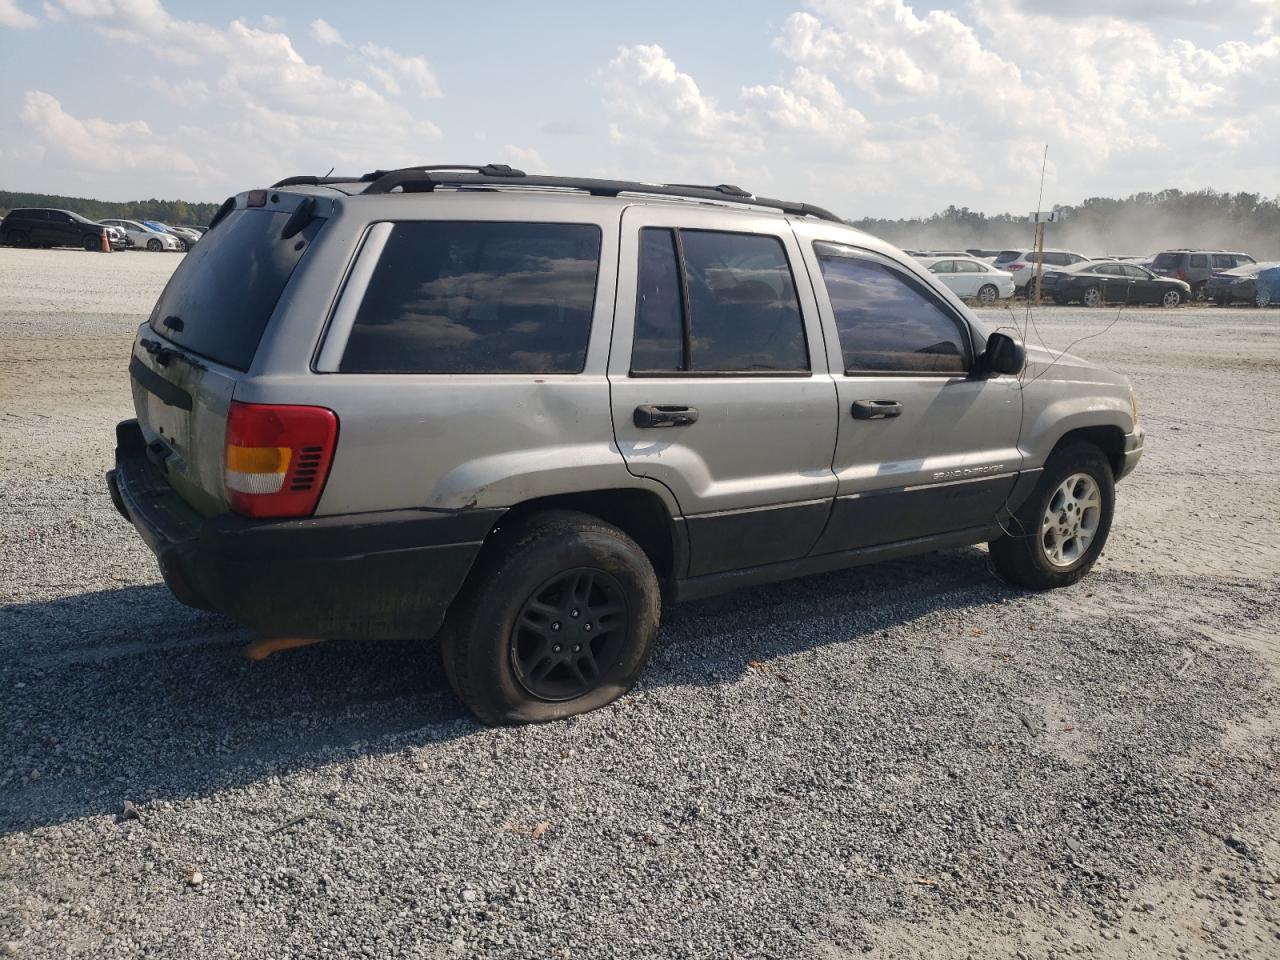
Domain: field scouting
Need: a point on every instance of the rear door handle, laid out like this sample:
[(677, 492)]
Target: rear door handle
[(875, 409), (659, 415)]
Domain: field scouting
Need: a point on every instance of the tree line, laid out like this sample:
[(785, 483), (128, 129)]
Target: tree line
[(1142, 223), (174, 212)]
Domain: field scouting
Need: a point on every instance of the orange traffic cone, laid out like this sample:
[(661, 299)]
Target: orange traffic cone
[(106, 242)]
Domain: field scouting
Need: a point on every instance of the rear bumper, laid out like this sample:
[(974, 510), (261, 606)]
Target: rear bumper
[(1132, 452), (389, 575)]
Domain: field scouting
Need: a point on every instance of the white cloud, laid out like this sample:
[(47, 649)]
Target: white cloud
[(272, 22), (892, 110), (276, 113), (324, 32), (413, 70), (185, 93), (100, 144), (13, 16), (51, 13)]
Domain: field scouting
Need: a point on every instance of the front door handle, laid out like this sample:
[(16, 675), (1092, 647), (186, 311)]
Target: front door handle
[(875, 409), (660, 415)]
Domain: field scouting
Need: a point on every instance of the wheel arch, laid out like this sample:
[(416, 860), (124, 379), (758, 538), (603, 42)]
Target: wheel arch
[(1107, 438), (641, 514)]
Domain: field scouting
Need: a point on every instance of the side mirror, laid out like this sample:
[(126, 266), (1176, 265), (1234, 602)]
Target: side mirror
[(1003, 355)]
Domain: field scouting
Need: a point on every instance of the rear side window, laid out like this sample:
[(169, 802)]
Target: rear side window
[(946, 266), (1199, 260), (743, 315), (888, 322), (1167, 261), (1223, 261), (218, 301), (472, 297)]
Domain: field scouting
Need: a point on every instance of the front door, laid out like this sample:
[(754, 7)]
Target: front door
[(926, 444), (719, 382)]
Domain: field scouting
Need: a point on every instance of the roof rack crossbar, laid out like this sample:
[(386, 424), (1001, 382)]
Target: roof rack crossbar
[(489, 169), (423, 180)]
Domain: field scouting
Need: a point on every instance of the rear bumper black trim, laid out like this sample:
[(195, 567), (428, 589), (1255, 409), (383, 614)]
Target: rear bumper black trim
[(387, 575)]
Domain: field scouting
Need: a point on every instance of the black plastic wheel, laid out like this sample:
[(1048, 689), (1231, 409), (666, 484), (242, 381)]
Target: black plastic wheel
[(557, 618)]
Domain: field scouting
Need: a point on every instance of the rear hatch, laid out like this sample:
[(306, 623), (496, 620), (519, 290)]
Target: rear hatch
[(204, 331)]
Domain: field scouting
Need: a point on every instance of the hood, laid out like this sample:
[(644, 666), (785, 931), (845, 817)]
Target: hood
[(1044, 364)]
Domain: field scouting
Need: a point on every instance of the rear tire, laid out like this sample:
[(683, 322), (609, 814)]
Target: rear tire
[(1058, 534), (526, 642), (1092, 297), (19, 239)]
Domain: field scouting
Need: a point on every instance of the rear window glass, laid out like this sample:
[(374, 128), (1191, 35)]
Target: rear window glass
[(1008, 256), (218, 301), (453, 297), (1167, 261)]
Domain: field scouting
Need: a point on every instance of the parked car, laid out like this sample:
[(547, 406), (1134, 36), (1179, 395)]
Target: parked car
[(46, 227), (970, 278), (119, 239), (1241, 284), (187, 237), (147, 238), (1022, 263), (526, 418), (1197, 266), (1110, 281)]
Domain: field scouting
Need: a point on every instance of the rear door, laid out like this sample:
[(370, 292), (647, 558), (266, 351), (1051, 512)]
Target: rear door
[(201, 338), (926, 445), (718, 381)]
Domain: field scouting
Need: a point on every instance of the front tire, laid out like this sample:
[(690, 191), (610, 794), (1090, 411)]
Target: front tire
[(988, 294), (1055, 538), (154, 246), (91, 244), (1171, 298), (557, 618)]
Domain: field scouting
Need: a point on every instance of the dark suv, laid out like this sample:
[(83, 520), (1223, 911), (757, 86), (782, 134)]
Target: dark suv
[(43, 227), (1197, 266)]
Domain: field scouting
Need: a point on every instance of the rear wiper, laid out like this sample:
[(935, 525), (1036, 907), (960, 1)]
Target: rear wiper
[(164, 354), (301, 216)]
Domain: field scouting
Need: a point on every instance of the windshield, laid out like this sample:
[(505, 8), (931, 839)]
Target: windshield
[(221, 297)]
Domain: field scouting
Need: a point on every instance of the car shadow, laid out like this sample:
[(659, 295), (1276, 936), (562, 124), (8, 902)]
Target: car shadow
[(127, 695)]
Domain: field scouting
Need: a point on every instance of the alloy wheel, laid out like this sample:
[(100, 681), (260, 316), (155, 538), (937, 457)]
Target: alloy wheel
[(1071, 520), (1092, 297), (1171, 298), (569, 634)]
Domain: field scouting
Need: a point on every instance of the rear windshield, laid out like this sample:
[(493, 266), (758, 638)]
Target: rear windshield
[(218, 301), (1166, 260), (1008, 256)]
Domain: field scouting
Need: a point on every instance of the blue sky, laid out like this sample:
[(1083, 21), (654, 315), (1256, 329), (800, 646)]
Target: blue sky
[(878, 108)]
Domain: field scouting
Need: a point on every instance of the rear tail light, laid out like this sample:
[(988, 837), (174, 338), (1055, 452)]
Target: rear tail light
[(277, 458), (1016, 266), (1181, 274)]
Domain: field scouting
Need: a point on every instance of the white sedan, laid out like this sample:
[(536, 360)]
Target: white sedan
[(144, 238), (970, 278)]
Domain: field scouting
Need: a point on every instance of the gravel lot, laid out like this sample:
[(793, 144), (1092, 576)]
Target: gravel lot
[(904, 760)]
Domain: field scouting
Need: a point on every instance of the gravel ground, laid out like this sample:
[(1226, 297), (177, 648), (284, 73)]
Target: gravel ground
[(903, 760)]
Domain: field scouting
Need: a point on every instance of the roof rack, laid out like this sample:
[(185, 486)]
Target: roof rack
[(489, 169), (427, 178)]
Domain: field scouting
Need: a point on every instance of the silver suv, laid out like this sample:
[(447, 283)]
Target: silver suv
[(522, 412)]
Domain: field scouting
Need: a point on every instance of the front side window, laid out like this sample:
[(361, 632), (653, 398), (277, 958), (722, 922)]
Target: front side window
[(478, 297), (716, 302), (887, 321)]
